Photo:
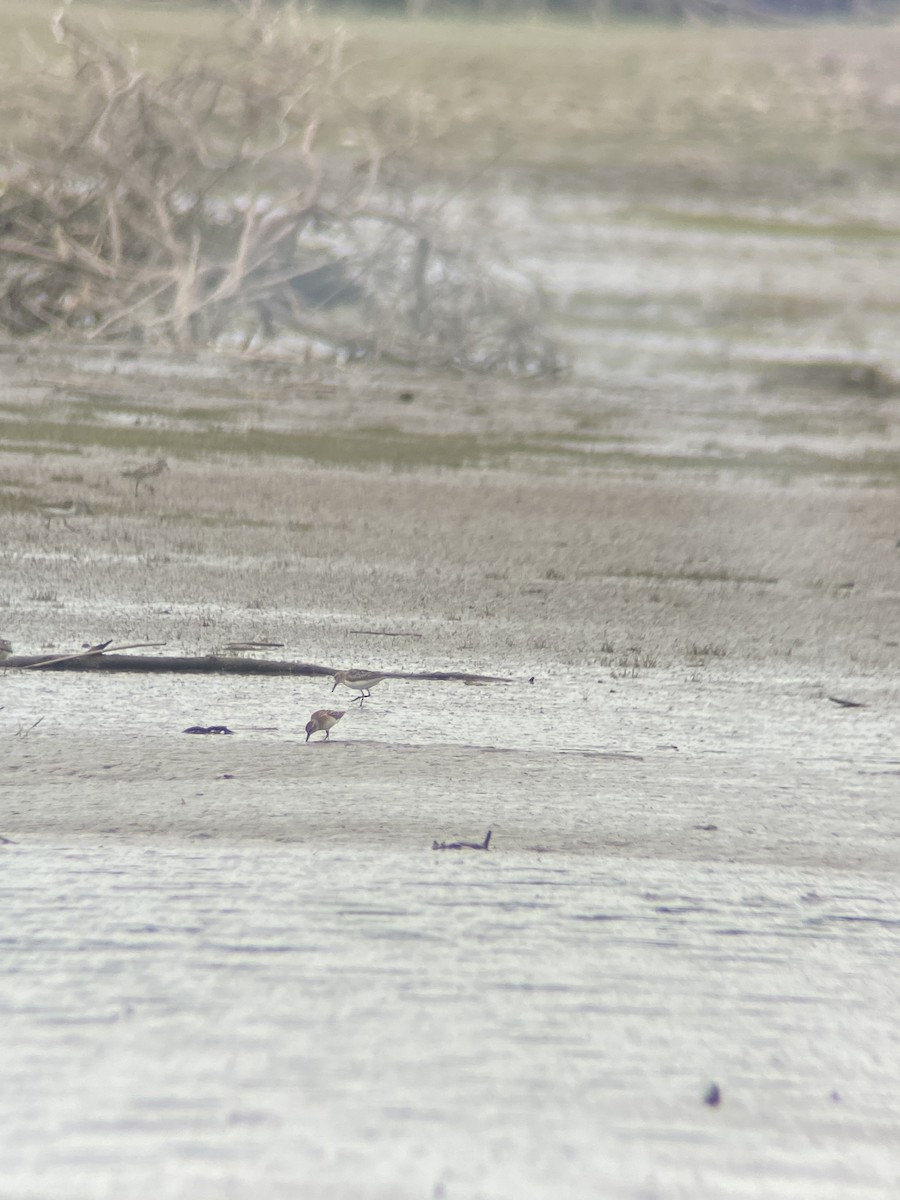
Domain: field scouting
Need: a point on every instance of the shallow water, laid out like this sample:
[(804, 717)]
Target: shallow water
[(245, 1020), (674, 292)]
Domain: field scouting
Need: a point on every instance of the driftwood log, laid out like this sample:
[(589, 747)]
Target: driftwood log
[(212, 664)]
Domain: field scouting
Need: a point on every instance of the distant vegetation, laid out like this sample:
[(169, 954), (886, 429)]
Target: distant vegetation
[(663, 10), (176, 175), (645, 109), (250, 189)]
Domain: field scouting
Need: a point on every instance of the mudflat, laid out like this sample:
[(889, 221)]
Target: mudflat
[(237, 957), (642, 601)]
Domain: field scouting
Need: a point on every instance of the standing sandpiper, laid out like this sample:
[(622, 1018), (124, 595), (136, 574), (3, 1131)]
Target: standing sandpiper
[(147, 471), (323, 718), (358, 681), (5, 648), (64, 509)]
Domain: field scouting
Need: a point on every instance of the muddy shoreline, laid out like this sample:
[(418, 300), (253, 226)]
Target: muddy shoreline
[(238, 958), (664, 586)]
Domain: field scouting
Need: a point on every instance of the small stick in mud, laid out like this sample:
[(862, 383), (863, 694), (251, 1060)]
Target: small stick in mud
[(384, 633), (240, 647), (463, 845), (847, 703)]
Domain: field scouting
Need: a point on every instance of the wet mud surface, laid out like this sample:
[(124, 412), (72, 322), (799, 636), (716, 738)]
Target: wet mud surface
[(234, 966)]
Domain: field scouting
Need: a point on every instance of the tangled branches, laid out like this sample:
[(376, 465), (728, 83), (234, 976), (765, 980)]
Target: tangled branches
[(245, 194)]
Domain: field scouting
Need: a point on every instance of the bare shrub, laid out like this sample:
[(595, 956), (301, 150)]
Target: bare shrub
[(245, 193)]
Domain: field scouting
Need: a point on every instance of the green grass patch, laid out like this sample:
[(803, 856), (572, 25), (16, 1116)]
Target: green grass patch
[(720, 576), (820, 425), (227, 520), (729, 224), (386, 446), (835, 377), (371, 447)]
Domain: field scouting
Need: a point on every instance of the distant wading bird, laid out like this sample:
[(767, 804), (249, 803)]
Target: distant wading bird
[(64, 509), (147, 471), (324, 718), (5, 648), (358, 681)]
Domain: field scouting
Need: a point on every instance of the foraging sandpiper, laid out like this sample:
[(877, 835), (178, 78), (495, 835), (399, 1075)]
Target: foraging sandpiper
[(147, 471), (358, 681), (323, 718)]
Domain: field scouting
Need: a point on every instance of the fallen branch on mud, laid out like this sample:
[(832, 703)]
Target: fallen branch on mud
[(463, 845), (250, 192), (214, 664)]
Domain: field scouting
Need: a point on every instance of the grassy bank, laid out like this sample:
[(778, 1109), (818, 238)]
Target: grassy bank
[(760, 112)]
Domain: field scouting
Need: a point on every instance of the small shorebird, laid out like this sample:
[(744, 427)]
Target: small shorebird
[(324, 718), (5, 648), (358, 681), (147, 471), (64, 509)]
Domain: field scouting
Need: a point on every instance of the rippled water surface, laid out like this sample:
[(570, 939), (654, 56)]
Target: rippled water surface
[(247, 1020)]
